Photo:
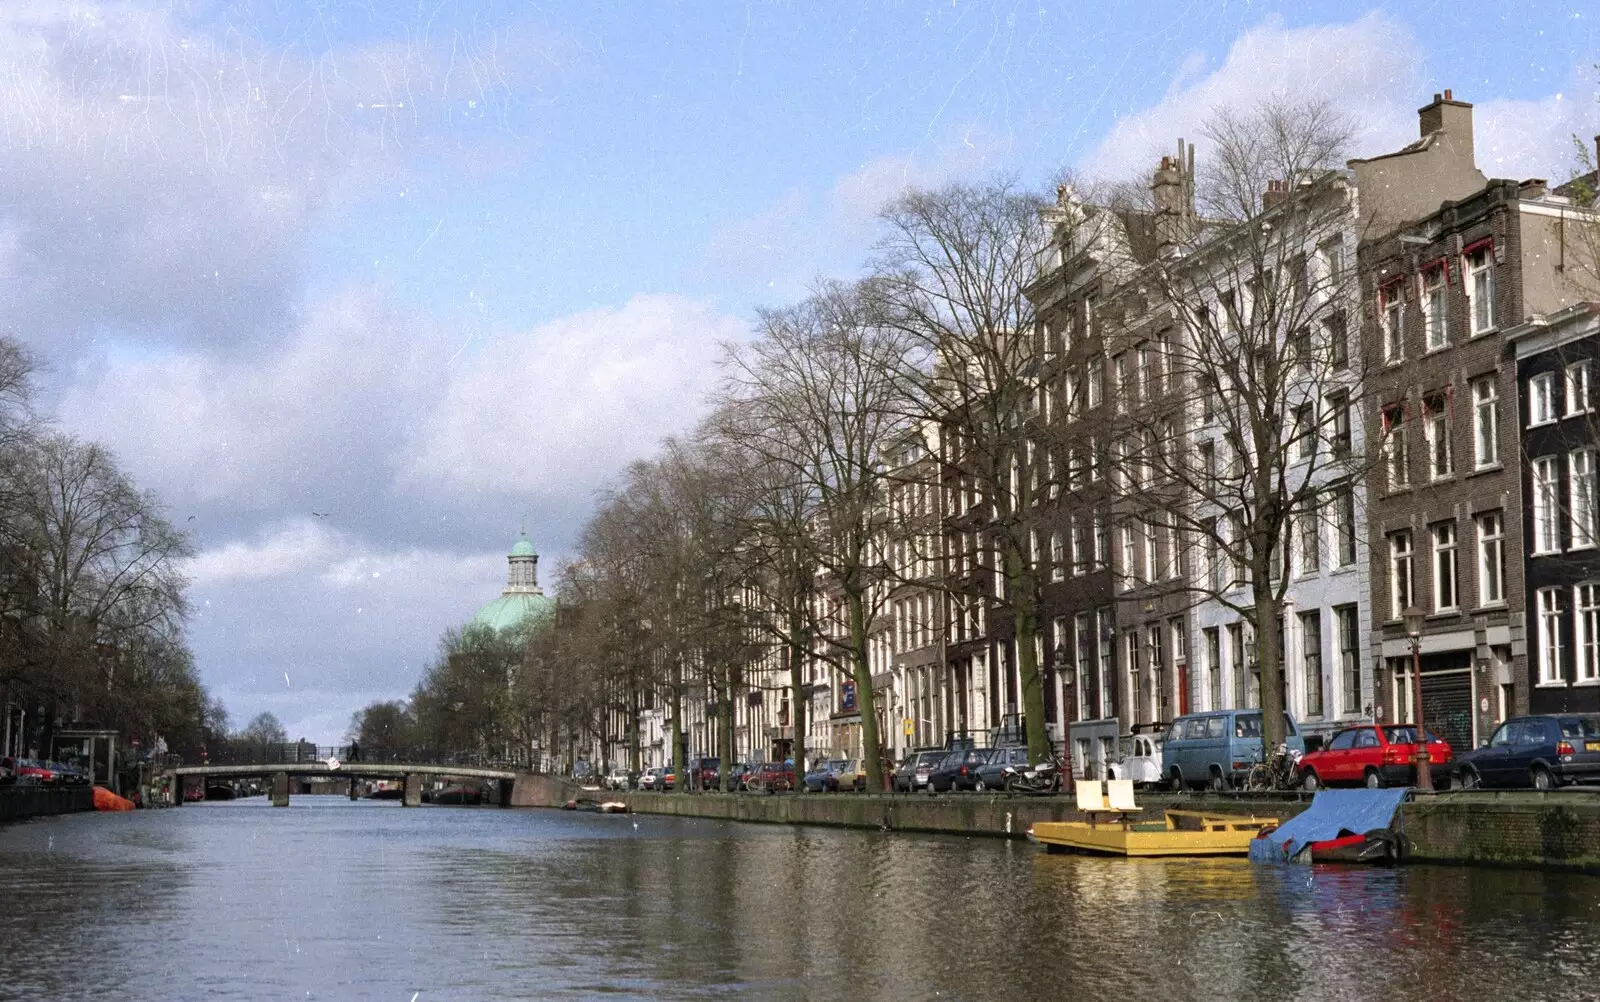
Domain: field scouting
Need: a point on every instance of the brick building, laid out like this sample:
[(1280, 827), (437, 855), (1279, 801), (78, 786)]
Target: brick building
[(1448, 262)]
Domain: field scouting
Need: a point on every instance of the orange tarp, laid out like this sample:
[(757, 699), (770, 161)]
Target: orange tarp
[(105, 800)]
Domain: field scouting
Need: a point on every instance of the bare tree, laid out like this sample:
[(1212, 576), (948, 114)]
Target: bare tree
[(951, 277), (1235, 385), (822, 399)]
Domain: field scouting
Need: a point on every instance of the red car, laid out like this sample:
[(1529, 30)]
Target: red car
[(1375, 754), (29, 770)]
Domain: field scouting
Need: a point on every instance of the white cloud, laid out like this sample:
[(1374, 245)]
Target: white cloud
[(1369, 67), (561, 407)]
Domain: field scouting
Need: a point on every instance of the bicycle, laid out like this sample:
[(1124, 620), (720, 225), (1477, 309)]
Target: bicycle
[(1279, 772)]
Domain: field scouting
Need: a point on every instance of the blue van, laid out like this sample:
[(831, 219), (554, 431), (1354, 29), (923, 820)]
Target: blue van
[(1217, 749)]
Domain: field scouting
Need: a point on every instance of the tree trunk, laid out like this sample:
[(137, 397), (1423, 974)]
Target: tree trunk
[(633, 728), (797, 685), (1025, 611), (725, 721), (679, 780), (866, 699), (1269, 659)]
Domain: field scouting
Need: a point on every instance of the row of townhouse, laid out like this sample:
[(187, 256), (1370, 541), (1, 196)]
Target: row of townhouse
[(1450, 345)]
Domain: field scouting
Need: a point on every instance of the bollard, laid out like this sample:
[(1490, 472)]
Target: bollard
[(280, 789), (413, 792)]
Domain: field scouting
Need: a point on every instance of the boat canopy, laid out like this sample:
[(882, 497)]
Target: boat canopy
[(1332, 814)]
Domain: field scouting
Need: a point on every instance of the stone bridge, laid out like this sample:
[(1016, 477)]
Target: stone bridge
[(411, 774)]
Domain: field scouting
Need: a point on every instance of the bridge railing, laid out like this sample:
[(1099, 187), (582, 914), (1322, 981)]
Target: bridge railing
[(305, 753)]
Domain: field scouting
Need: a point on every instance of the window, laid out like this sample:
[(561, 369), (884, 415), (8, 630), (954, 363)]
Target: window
[(1216, 577), (1238, 547), (1577, 388), (1208, 465), (1580, 497), (1311, 656), (1336, 331), (1058, 556), (1436, 429), (1149, 533), (1305, 439), (1480, 287), (1208, 398), (1077, 547), (1102, 543), (1310, 548), (1130, 558), (1236, 651), (1546, 497), (1551, 669), (1158, 663), (1586, 643), (1337, 418), (1344, 519), (1135, 697), (1169, 553), (1349, 640), (1394, 341), (1332, 255), (1485, 423), (1085, 637), (1094, 460), (1399, 573), (1434, 312), (1542, 398), (1121, 386), (1491, 559), (1394, 431), (1107, 634), (1444, 567), (1097, 380), (1213, 642)]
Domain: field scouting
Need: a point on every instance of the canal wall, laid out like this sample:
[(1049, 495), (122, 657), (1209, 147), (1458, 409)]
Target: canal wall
[(19, 802), (1559, 830)]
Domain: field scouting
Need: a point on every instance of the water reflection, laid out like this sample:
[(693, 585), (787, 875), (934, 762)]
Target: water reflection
[(333, 900)]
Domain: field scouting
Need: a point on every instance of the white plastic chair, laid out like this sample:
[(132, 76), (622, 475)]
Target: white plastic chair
[(1091, 796), (1119, 796)]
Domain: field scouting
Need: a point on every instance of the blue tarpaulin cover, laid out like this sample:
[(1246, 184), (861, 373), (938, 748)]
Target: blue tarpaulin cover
[(1332, 813)]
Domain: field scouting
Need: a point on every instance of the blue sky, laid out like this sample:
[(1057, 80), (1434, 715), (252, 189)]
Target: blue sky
[(438, 267)]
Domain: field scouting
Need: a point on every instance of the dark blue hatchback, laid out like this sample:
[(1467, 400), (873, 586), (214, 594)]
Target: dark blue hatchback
[(1542, 752)]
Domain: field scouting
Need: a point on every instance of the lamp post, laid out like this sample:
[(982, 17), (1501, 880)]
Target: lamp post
[(1413, 619), (1069, 682)]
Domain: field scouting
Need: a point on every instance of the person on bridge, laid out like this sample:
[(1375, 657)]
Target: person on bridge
[(355, 752)]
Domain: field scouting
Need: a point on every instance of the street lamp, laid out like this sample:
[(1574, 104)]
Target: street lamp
[(1413, 619), (1069, 682)]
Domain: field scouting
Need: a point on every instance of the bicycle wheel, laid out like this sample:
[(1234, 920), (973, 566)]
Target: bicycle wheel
[(1258, 778)]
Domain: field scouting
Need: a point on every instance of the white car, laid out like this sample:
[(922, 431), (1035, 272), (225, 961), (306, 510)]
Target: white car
[(617, 779), (1142, 764)]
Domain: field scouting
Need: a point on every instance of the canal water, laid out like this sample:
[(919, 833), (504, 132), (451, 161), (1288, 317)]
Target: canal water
[(330, 899)]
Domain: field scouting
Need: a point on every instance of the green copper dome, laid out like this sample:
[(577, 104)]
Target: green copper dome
[(522, 601)]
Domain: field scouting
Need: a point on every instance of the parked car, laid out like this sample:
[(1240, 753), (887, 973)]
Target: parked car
[(1375, 754), (1217, 749), (816, 779), (1142, 763), (958, 770), (851, 776), (1543, 752), (912, 775), (777, 775), (31, 771), (992, 773), (666, 780), (742, 771), (618, 779), (708, 773), (647, 779)]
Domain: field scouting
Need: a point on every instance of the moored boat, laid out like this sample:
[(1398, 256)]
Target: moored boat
[(1178, 833)]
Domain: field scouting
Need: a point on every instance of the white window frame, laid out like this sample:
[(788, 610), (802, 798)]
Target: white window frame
[(1545, 475), (1308, 552), (1541, 399), (1058, 570), (1577, 389), (1550, 614), (1393, 322), (1443, 536), (1581, 498), (1435, 308), (1402, 579), (1485, 422), (1479, 286), (1586, 632), (1491, 558), (1436, 430)]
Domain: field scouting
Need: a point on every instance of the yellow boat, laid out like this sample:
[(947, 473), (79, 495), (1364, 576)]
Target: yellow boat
[(1178, 833)]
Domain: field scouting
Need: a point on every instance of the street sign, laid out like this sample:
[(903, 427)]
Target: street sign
[(908, 726)]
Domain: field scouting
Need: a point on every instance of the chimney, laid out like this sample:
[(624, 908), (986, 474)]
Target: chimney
[(1276, 192), (1448, 115), (1172, 195)]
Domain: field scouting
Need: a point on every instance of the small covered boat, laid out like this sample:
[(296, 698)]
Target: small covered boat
[(1340, 826), (594, 806)]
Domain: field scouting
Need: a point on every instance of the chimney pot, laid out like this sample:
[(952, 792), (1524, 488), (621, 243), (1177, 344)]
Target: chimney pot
[(1437, 96), (1447, 95)]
